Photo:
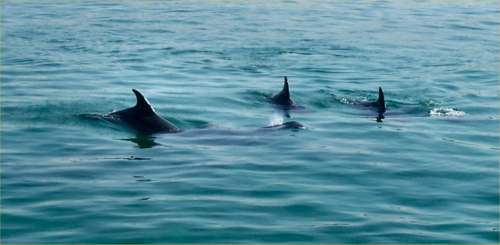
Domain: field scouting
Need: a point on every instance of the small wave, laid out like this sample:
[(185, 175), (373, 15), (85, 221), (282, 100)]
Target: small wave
[(446, 112), (256, 97), (195, 51)]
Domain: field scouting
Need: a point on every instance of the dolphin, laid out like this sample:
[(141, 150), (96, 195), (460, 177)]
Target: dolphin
[(283, 97), (143, 118), (287, 125)]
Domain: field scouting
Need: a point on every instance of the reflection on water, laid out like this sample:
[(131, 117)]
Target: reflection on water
[(143, 141)]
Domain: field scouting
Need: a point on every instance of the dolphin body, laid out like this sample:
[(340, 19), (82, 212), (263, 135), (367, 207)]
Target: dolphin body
[(287, 125), (143, 118), (283, 97)]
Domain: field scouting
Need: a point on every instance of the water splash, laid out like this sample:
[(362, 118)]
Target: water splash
[(348, 101), (446, 112), (276, 119)]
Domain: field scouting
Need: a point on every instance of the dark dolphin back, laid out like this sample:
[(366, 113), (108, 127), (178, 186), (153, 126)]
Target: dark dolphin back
[(287, 125)]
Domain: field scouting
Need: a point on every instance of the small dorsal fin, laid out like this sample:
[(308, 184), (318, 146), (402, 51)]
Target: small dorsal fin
[(285, 91), (283, 97), (381, 100), (142, 102)]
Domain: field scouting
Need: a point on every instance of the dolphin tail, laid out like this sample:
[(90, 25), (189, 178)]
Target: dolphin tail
[(381, 100)]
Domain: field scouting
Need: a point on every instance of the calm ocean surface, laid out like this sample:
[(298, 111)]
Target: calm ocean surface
[(428, 173)]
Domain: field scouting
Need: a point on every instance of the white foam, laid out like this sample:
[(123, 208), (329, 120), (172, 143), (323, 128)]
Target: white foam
[(276, 119), (346, 101), (446, 112)]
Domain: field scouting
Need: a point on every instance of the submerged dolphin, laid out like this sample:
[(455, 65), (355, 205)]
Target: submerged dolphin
[(283, 97), (143, 118), (287, 125)]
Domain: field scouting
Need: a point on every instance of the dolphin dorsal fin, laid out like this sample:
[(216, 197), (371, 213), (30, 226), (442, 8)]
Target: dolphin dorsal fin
[(285, 91), (142, 103), (381, 100)]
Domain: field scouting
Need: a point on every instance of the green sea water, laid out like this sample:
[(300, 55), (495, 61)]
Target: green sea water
[(429, 173)]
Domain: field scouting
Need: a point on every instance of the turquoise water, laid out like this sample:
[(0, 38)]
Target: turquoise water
[(428, 173)]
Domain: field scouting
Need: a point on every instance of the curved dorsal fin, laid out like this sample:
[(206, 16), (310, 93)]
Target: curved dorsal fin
[(381, 100), (142, 102), (285, 92)]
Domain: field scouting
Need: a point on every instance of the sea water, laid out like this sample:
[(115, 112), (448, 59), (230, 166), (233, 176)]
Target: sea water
[(429, 173)]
